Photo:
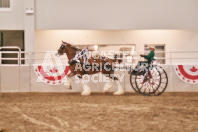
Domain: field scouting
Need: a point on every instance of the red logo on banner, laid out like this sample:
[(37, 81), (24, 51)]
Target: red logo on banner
[(187, 73), (52, 76), (53, 70)]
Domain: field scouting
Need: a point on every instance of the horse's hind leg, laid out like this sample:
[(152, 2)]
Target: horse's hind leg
[(108, 86), (120, 90)]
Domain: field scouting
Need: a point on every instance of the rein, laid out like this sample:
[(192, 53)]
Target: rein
[(78, 56)]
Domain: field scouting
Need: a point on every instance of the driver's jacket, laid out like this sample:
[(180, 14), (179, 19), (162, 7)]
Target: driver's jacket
[(150, 56)]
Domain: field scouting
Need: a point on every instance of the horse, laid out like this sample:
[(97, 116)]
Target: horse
[(103, 63)]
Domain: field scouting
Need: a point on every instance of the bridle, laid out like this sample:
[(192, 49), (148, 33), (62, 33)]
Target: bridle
[(77, 56), (63, 46)]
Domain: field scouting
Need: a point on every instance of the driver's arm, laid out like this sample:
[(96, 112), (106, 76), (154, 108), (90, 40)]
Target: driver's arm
[(149, 56)]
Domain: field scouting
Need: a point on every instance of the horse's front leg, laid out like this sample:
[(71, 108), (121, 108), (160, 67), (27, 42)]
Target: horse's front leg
[(86, 89), (67, 84)]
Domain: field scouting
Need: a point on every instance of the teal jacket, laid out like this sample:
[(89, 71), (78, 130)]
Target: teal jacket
[(150, 56)]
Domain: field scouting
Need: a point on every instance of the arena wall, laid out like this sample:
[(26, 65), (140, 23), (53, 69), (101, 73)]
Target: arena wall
[(174, 40), (139, 22), (116, 14), (103, 14), (13, 19), (24, 79), (121, 16)]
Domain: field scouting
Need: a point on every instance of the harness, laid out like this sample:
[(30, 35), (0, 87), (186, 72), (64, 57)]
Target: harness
[(83, 55), (80, 55)]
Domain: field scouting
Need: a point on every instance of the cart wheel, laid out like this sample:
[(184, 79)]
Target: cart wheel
[(148, 82), (147, 85), (133, 83), (163, 82)]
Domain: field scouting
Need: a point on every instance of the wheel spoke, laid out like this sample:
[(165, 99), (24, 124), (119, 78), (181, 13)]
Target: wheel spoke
[(150, 85)]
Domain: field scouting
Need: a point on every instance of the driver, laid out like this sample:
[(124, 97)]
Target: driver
[(149, 57)]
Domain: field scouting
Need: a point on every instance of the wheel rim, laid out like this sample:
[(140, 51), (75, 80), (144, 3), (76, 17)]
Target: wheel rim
[(147, 84), (150, 86)]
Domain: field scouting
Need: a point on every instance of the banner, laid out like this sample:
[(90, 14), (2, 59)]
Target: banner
[(187, 73), (52, 71)]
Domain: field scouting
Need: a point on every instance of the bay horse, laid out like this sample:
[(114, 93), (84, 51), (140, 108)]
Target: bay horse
[(104, 64)]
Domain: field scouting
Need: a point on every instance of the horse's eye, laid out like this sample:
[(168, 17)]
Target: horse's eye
[(62, 46)]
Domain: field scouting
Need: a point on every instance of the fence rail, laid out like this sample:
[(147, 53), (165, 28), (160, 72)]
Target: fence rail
[(34, 56), (26, 76)]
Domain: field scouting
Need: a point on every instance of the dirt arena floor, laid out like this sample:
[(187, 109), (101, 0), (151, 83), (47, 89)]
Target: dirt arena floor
[(37, 112)]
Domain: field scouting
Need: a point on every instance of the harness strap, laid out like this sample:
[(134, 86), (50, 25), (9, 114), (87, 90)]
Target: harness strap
[(81, 54)]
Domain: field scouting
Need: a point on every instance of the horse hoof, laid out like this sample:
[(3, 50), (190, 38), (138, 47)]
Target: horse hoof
[(68, 85), (107, 88), (85, 93), (118, 93)]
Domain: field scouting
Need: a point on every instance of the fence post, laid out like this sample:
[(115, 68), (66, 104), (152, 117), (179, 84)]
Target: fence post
[(171, 72), (30, 71), (19, 60), (0, 71)]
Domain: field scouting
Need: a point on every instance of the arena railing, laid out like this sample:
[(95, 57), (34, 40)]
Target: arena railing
[(170, 57), (11, 52), (31, 58)]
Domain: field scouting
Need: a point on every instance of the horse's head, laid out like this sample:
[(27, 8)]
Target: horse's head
[(62, 49)]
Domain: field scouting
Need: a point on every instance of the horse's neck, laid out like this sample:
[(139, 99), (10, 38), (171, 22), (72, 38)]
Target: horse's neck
[(71, 52)]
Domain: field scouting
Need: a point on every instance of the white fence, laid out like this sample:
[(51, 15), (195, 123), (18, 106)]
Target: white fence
[(21, 77)]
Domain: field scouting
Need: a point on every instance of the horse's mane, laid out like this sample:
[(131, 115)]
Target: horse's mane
[(74, 47)]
